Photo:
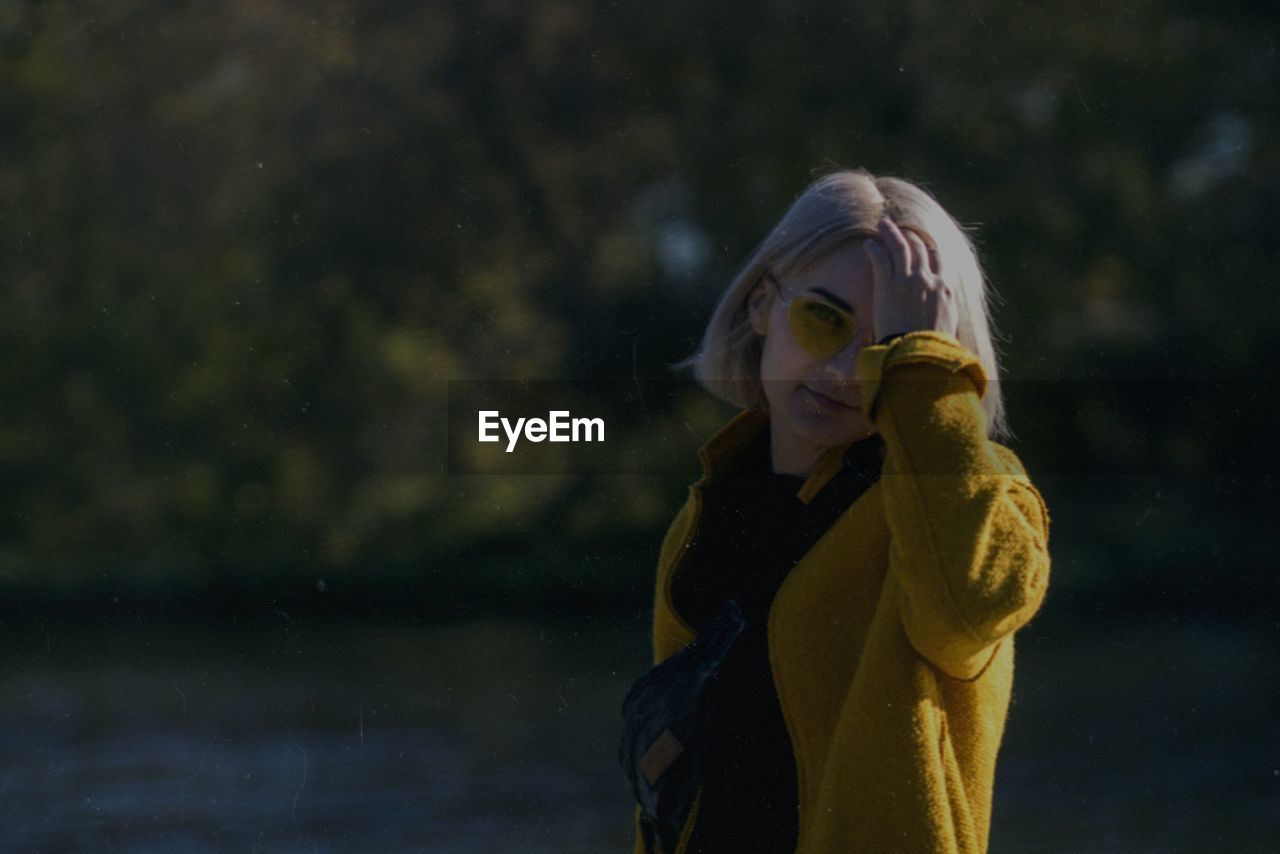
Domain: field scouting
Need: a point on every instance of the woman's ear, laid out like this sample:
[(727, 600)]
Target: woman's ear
[(758, 304)]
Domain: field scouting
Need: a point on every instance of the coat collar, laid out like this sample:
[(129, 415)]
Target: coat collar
[(723, 452)]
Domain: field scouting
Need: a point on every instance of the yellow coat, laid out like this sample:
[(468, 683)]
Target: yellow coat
[(891, 641)]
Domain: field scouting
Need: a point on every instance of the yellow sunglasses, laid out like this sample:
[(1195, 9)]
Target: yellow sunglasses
[(820, 328)]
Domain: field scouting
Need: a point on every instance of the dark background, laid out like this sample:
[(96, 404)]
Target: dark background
[(244, 247)]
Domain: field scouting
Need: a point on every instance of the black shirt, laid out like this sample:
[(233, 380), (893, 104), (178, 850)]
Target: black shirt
[(752, 530)]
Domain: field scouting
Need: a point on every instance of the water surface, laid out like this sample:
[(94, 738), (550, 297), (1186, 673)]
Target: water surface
[(291, 734)]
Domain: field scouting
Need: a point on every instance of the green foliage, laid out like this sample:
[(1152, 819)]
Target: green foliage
[(243, 246)]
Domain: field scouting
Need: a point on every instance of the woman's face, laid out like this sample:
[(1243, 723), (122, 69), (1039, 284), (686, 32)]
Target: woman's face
[(814, 402)]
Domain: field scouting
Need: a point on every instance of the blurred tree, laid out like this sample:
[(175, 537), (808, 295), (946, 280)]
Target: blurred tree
[(246, 244)]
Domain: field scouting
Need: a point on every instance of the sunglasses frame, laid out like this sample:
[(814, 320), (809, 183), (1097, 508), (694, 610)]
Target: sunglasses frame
[(795, 303)]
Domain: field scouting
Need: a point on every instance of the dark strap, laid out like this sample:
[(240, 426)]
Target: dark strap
[(667, 703)]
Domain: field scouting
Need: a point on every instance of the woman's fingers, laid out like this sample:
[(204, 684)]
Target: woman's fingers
[(897, 246), (920, 250), (881, 268), (910, 291)]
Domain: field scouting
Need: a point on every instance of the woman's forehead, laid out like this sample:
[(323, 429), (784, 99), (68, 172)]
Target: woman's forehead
[(845, 271)]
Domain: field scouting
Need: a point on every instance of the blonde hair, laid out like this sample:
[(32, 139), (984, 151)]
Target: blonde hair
[(837, 208)]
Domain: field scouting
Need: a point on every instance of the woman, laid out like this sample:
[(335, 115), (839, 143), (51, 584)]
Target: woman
[(878, 545)]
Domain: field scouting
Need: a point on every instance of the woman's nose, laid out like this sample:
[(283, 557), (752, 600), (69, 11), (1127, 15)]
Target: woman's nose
[(843, 366)]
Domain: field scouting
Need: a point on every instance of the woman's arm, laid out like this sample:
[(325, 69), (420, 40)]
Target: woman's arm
[(969, 532)]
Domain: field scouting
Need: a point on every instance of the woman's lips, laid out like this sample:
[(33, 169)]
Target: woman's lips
[(828, 402)]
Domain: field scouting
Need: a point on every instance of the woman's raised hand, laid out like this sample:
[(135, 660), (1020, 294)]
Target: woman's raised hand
[(910, 291)]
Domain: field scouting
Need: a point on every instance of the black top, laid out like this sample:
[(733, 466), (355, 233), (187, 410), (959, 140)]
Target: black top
[(752, 530)]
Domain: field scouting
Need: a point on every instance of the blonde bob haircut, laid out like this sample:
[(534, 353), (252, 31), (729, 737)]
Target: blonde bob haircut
[(838, 208)]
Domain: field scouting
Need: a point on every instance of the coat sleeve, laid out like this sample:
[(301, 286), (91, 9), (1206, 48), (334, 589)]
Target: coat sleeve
[(968, 531)]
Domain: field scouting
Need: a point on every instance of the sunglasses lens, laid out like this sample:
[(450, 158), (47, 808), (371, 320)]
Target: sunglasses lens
[(820, 329)]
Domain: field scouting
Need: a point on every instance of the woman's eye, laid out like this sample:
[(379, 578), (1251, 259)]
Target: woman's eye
[(826, 315)]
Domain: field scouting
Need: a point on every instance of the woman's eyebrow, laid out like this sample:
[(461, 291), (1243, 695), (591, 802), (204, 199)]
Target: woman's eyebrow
[(835, 299)]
